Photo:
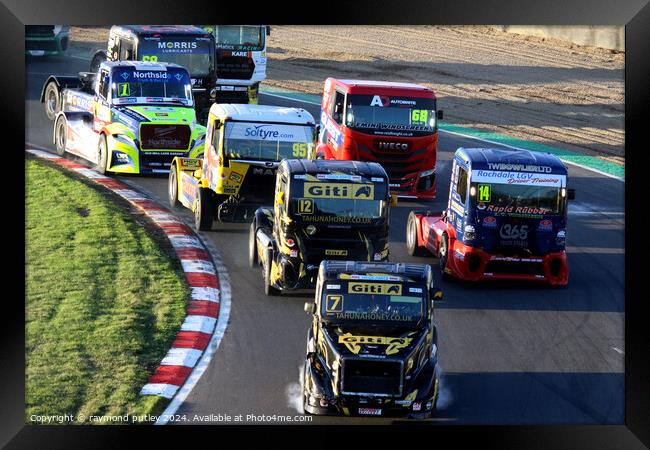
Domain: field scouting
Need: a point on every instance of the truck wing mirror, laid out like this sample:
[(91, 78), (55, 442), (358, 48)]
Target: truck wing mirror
[(217, 124), (338, 108), (268, 30), (280, 198), (571, 194), (393, 199), (316, 131), (440, 114), (436, 294), (310, 307)]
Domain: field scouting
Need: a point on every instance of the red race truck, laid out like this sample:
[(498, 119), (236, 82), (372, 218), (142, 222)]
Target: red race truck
[(394, 124), (506, 218)]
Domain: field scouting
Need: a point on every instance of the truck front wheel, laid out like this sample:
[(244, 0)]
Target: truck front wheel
[(102, 155), (252, 246), (443, 253), (172, 188), (52, 99), (203, 213), (412, 246), (269, 289), (60, 133)]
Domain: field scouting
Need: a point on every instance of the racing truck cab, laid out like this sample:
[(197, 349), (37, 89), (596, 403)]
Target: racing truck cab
[(245, 144), (128, 117), (372, 346), (394, 124), (241, 61), (322, 210), (506, 218), (187, 46)]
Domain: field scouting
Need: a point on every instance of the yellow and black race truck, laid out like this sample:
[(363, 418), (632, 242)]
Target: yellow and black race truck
[(372, 348), (244, 145), (322, 210)]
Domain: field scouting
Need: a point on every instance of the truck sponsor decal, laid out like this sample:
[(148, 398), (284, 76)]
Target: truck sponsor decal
[(394, 344), (335, 219), (336, 252), (520, 211), (339, 190), (527, 178), (269, 132), (520, 167), (374, 288)]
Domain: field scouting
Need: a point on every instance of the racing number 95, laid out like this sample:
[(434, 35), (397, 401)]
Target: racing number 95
[(300, 149)]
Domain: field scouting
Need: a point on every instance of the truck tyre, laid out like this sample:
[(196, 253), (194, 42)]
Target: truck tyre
[(252, 246), (268, 288), (96, 62), (412, 236), (52, 99), (60, 134), (443, 253), (172, 188), (203, 213), (102, 155)]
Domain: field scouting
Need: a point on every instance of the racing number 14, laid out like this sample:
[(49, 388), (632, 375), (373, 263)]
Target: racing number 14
[(484, 192)]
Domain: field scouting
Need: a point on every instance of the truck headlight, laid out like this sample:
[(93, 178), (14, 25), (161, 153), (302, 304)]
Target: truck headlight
[(470, 233)]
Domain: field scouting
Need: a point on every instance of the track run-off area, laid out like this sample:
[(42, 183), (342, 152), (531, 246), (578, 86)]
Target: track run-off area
[(511, 353)]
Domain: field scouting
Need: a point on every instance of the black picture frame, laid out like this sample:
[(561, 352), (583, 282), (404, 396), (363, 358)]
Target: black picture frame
[(634, 14)]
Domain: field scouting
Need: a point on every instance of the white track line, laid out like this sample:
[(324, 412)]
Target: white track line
[(600, 172)]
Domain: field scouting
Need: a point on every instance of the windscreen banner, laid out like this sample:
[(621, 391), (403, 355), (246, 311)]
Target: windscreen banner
[(269, 132)]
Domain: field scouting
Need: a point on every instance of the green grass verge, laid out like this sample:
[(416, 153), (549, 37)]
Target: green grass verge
[(104, 300)]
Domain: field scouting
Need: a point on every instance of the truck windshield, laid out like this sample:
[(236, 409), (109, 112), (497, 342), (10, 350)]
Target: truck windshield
[(193, 53), (380, 114), (507, 199), (330, 201), (372, 301), (237, 37), (267, 142), (131, 86)]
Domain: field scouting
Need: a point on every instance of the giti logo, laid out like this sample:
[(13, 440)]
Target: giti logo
[(340, 190), (394, 344), (374, 288), (336, 252)]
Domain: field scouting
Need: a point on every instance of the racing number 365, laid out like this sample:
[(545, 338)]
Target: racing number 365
[(514, 232)]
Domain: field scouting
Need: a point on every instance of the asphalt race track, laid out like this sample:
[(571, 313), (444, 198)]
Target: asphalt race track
[(511, 354)]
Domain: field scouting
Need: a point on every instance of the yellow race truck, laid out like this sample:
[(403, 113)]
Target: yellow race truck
[(244, 146)]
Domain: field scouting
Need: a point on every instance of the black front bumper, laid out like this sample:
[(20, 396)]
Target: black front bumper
[(421, 406)]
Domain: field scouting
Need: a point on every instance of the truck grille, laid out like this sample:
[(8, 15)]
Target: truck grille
[(231, 67), (333, 239), (158, 137), (378, 377), (396, 163)]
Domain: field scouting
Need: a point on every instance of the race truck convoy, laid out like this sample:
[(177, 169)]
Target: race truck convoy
[(322, 210), (245, 144), (506, 218), (129, 117), (372, 346), (188, 46), (241, 61), (394, 124)]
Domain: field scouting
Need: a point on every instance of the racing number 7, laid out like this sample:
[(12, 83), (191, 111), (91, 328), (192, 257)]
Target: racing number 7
[(334, 303)]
